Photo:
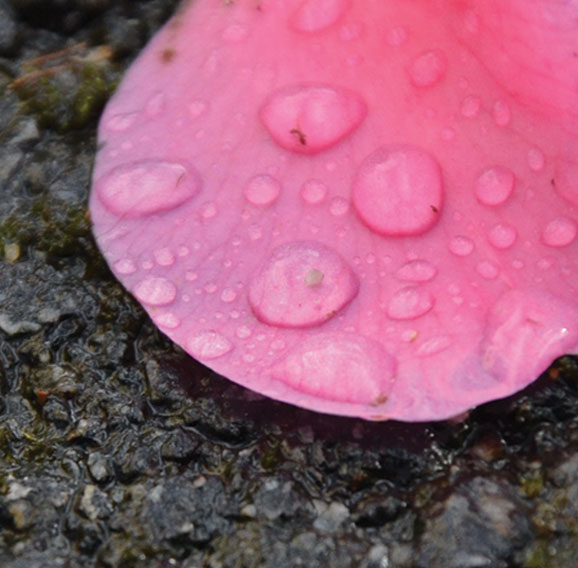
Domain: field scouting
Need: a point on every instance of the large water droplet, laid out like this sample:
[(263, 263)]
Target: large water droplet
[(339, 366), (155, 291), (409, 303), (262, 190), (141, 188), (317, 15), (560, 232), (494, 185), (284, 293), (308, 119), (417, 271), (427, 69), (398, 191), (208, 344)]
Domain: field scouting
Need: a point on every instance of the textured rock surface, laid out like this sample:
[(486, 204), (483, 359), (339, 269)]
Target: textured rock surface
[(117, 450)]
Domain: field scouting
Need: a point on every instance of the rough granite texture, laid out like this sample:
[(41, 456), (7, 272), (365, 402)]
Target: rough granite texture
[(118, 450)]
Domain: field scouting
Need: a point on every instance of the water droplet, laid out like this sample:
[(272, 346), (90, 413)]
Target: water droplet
[(313, 191), (254, 232), (244, 332), (397, 36), (155, 291), (494, 185), (417, 271), (125, 266), (278, 345), (350, 31), (471, 106), (560, 232), (208, 344), (461, 246), (427, 69), (164, 257), (310, 119), (262, 190), (339, 207), (487, 270), (314, 277), (228, 295), (536, 159), (141, 188), (121, 122), (502, 236), (279, 294), (501, 113), (197, 108), (234, 33), (320, 365), (208, 210), (434, 345), (155, 105), (448, 134), (398, 191), (166, 320), (409, 303), (317, 15)]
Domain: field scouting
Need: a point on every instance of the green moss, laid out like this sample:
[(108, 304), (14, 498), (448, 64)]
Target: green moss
[(48, 229), (67, 96), (532, 485)]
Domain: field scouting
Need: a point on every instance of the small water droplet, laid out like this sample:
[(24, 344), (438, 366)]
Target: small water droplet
[(317, 15), (262, 190), (208, 344), (313, 192), (501, 113), (461, 246), (255, 232), (197, 108), (339, 206), (351, 31), (448, 134), (244, 332), (164, 257), (141, 188), (417, 271), (155, 291), (191, 275), (125, 266), (310, 119), (228, 295), (397, 36), (398, 191), (494, 185), (427, 69), (434, 345), (235, 33), (278, 345), (155, 105), (502, 236), (121, 122), (279, 292), (167, 320), (536, 159), (208, 210), (409, 303), (560, 232), (471, 106), (487, 270)]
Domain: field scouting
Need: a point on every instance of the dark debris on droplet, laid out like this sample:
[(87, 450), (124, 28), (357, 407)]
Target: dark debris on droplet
[(118, 450)]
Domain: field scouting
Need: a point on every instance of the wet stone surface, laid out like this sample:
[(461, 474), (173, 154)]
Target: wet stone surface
[(118, 450)]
